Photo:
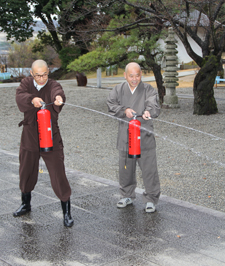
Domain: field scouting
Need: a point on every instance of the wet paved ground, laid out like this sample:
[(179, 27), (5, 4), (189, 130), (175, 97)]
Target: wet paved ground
[(178, 233)]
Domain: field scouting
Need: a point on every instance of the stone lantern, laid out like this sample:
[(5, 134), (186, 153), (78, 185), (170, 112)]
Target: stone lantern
[(170, 74)]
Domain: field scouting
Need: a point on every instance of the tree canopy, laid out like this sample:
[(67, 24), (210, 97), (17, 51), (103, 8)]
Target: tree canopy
[(77, 27), (129, 36), (16, 19), (203, 21), (60, 18), (21, 54)]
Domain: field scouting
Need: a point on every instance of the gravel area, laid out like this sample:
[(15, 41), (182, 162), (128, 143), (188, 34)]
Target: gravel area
[(190, 148)]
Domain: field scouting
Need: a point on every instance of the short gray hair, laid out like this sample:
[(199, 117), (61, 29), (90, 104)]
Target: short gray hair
[(132, 64)]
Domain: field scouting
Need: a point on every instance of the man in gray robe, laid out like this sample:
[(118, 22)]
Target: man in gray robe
[(127, 98)]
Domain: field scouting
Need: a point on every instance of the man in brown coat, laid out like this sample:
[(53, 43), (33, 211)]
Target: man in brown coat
[(134, 96), (29, 97)]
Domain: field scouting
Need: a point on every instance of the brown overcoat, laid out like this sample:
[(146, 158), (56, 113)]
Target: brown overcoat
[(24, 95)]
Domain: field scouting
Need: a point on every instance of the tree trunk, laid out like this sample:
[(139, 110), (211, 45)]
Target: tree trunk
[(204, 101), (56, 41), (159, 81)]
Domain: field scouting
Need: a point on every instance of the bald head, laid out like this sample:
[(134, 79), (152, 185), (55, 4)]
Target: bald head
[(39, 64), (39, 71), (131, 66), (133, 74)]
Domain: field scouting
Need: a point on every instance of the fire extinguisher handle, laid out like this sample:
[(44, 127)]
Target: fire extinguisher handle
[(43, 105), (136, 115)]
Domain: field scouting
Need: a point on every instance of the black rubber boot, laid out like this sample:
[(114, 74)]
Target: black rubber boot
[(25, 207), (68, 220)]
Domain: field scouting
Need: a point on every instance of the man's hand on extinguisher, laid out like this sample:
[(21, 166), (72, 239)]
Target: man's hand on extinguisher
[(37, 102), (58, 100), (129, 112), (146, 115)]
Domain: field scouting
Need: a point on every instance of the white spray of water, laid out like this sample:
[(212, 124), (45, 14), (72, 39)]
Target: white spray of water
[(164, 137), (190, 128)]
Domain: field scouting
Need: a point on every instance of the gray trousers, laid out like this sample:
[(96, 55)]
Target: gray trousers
[(127, 175)]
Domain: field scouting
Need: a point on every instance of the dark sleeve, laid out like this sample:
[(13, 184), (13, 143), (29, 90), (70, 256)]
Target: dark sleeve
[(57, 90), (152, 102), (24, 96), (114, 106)]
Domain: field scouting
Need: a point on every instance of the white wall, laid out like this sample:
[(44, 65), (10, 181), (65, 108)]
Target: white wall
[(182, 54)]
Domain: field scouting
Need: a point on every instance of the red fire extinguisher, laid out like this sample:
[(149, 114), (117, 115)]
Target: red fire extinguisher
[(134, 134), (45, 129)]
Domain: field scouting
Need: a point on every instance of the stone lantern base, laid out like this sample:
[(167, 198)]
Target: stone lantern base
[(171, 101)]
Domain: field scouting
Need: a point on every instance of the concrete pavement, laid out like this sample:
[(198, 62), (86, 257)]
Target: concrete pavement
[(178, 233)]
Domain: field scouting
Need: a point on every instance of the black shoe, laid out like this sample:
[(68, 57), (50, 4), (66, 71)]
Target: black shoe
[(68, 220), (25, 207)]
